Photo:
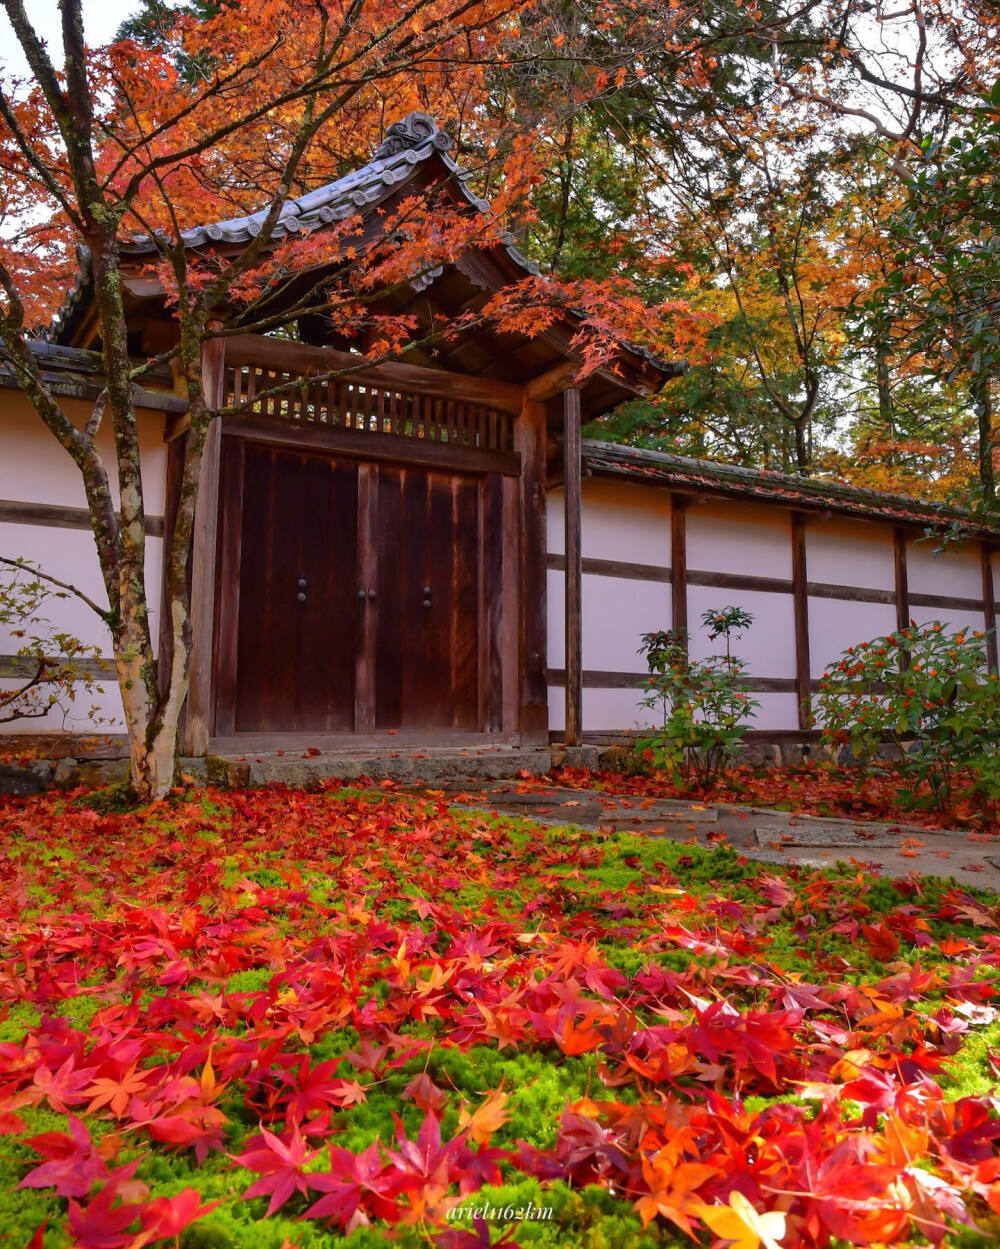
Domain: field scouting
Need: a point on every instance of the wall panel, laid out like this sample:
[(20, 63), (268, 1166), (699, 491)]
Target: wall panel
[(956, 572), (768, 646), (34, 469), (629, 523), (844, 552), (834, 625), (738, 537)]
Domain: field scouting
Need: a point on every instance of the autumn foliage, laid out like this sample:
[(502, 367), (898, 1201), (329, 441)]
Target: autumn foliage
[(313, 1013)]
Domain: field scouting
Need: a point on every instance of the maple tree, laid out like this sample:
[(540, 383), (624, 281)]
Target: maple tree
[(203, 112), (107, 143)]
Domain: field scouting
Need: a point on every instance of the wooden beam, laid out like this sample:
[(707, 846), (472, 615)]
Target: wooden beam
[(800, 607), (573, 579), (552, 382), (510, 609), (901, 594), (172, 475), (989, 606), (529, 442), (678, 566), (491, 537), (204, 543), (225, 657), (297, 358), (364, 671), (360, 444), (55, 516)]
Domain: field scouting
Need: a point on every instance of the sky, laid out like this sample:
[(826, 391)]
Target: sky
[(101, 18)]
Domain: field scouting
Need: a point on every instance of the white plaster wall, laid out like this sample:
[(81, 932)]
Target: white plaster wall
[(747, 538), (951, 618), (555, 605), (776, 711), (768, 646), (34, 468), (836, 624), (955, 572), (619, 521), (603, 710), (612, 711), (615, 613), (844, 552)]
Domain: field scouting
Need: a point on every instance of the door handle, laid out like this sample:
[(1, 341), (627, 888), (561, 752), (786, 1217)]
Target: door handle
[(363, 593), (427, 596), (302, 585)]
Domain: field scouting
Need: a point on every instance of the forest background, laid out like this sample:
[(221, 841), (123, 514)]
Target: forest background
[(813, 185)]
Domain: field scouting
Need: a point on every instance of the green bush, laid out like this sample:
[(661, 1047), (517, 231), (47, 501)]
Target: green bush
[(929, 693), (703, 705)]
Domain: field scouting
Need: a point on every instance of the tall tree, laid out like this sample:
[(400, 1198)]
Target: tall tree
[(941, 302), (107, 143)]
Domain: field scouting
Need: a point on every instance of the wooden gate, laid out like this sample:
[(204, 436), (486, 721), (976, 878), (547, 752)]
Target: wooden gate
[(350, 596)]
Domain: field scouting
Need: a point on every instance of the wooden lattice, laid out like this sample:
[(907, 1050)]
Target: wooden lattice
[(348, 404)]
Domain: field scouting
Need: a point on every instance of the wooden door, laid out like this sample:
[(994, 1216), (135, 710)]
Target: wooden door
[(428, 545), (298, 620)]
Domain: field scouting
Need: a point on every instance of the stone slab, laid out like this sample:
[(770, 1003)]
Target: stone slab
[(300, 770), (785, 860), (852, 837), (657, 815)]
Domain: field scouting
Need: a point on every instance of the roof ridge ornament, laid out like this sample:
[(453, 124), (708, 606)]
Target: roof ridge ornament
[(413, 131)]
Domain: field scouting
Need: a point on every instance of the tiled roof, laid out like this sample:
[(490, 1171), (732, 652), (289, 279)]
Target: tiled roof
[(76, 374), (684, 472), (407, 144)]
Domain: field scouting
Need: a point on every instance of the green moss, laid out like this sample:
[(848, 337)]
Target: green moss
[(969, 1073), (17, 1021), (111, 800)]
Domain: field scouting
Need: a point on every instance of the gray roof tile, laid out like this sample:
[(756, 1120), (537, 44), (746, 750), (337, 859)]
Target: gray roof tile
[(407, 144)]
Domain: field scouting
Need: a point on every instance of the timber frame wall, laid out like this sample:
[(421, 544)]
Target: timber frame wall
[(647, 557), (579, 583)]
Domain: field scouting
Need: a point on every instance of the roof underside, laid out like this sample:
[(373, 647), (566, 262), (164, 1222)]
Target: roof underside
[(413, 154)]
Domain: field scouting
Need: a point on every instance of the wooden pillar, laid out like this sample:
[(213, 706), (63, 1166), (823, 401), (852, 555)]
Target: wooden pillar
[(678, 566), (902, 586), (171, 497), (529, 442), (204, 542), (364, 667), (800, 597), (989, 606), (574, 566)]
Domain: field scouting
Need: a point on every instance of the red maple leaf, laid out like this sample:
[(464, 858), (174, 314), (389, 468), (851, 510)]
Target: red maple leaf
[(281, 1166), (73, 1165)]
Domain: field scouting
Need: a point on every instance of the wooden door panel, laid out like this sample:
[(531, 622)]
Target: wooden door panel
[(427, 635), (296, 656)]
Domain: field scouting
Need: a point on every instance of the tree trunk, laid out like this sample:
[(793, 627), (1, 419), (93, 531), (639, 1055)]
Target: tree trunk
[(982, 401), (884, 390), (801, 447)]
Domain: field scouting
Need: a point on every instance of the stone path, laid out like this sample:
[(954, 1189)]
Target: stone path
[(758, 832)]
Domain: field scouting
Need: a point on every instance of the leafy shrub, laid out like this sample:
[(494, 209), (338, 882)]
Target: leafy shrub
[(703, 704), (929, 693), (53, 666)]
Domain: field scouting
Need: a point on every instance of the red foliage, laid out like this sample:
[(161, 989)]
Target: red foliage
[(354, 912)]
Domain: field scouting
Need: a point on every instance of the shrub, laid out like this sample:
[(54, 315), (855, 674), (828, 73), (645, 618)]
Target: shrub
[(929, 693), (53, 665), (703, 704)]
